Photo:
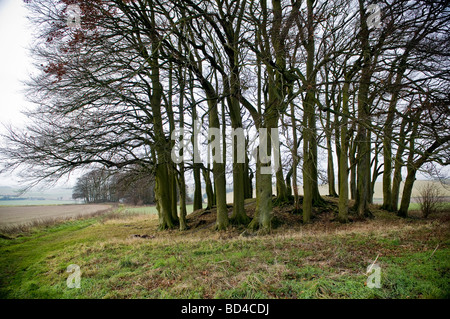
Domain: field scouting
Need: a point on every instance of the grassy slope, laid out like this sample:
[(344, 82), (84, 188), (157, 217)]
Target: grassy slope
[(126, 257)]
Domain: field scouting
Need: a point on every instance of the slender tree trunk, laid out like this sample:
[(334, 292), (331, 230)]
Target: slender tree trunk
[(248, 175), (208, 188), (387, 141), (172, 174), (198, 200), (343, 162), (289, 181), (328, 135), (218, 169), (238, 216), (330, 170), (294, 159), (311, 194), (411, 172), (397, 176), (181, 178), (282, 193), (353, 165), (407, 191)]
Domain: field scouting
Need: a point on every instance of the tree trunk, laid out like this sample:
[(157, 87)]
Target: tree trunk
[(353, 165), (311, 194), (218, 169), (198, 200), (197, 165), (208, 188), (162, 183), (294, 159), (387, 141), (363, 136), (343, 161), (248, 175), (330, 170), (407, 191), (232, 86), (397, 176), (181, 179)]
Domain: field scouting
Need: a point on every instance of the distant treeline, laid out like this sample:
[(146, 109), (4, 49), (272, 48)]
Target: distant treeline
[(7, 197), (103, 186)]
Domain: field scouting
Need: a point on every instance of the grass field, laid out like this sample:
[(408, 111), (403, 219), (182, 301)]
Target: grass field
[(123, 255)]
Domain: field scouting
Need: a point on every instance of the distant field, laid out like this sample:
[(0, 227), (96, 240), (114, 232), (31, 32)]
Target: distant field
[(15, 215), (20, 215), (28, 202)]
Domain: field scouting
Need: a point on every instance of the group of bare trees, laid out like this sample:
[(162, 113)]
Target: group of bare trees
[(100, 186), (370, 88)]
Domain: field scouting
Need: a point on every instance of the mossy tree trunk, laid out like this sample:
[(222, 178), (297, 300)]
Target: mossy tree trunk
[(311, 194), (397, 175), (343, 161), (198, 200), (162, 174), (387, 139), (181, 179), (222, 220), (248, 175), (363, 135), (172, 172), (294, 160), (208, 187), (232, 86)]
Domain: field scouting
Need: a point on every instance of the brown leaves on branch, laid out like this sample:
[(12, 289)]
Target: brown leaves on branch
[(56, 69)]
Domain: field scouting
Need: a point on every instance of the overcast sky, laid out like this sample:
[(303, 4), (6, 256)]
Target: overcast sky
[(15, 65)]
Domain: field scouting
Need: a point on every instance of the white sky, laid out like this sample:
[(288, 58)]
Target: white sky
[(15, 65)]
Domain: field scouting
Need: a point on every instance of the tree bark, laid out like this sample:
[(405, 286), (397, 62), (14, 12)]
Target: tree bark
[(397, 176), (363, 137), (387, 140), (343, 162)]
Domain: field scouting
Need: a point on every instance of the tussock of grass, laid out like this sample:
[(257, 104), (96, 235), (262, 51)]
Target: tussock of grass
[(127, 257)]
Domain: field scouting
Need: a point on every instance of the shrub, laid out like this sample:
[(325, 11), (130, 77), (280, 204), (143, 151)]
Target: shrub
[(429, 199)]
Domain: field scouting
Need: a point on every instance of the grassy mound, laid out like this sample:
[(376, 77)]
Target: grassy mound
[(125, 256)]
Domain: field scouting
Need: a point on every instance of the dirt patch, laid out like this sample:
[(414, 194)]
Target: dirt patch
[(16, 215)]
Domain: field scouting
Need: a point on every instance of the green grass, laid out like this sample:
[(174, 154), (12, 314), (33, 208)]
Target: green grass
[(416, 206), (309, 261)]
